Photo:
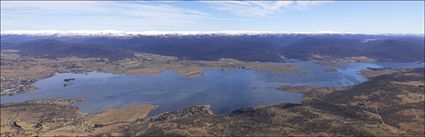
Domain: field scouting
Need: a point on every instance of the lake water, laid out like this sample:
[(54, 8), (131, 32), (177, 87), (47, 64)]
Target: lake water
[(224, 90)]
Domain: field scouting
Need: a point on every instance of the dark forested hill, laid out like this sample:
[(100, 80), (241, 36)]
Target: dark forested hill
[(49, 48), (261, 47), (383, 49)]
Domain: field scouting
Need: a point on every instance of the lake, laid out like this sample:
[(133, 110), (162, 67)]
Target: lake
[(224, 90)]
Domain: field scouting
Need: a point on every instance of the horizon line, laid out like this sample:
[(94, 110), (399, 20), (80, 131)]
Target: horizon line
[(231, 32)]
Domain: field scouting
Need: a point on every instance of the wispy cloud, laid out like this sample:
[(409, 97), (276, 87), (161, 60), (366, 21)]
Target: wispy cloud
[(262, 8), (131, 15), (103, 12), (126, 8), (286, 15)]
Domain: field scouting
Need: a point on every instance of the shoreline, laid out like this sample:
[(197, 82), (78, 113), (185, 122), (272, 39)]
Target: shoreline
[(19, 68), (349, 109)]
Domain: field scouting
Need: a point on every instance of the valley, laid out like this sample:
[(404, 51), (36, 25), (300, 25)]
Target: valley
[(213, 68), (235, 85), (361, 110)]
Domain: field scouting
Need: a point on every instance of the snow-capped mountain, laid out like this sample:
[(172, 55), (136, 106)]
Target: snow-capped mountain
[(242, 45), (155, 33), (129, 33)]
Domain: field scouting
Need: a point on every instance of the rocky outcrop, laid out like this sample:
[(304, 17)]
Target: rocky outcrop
[(194, 111)]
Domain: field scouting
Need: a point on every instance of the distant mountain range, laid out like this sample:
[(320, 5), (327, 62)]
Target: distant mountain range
[(136, 33), (246, 46)]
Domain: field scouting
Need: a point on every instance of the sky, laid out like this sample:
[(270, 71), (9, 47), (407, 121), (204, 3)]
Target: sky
[(282, 16)]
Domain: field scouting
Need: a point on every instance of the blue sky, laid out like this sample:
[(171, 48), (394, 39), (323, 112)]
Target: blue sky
[(287, 16)]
